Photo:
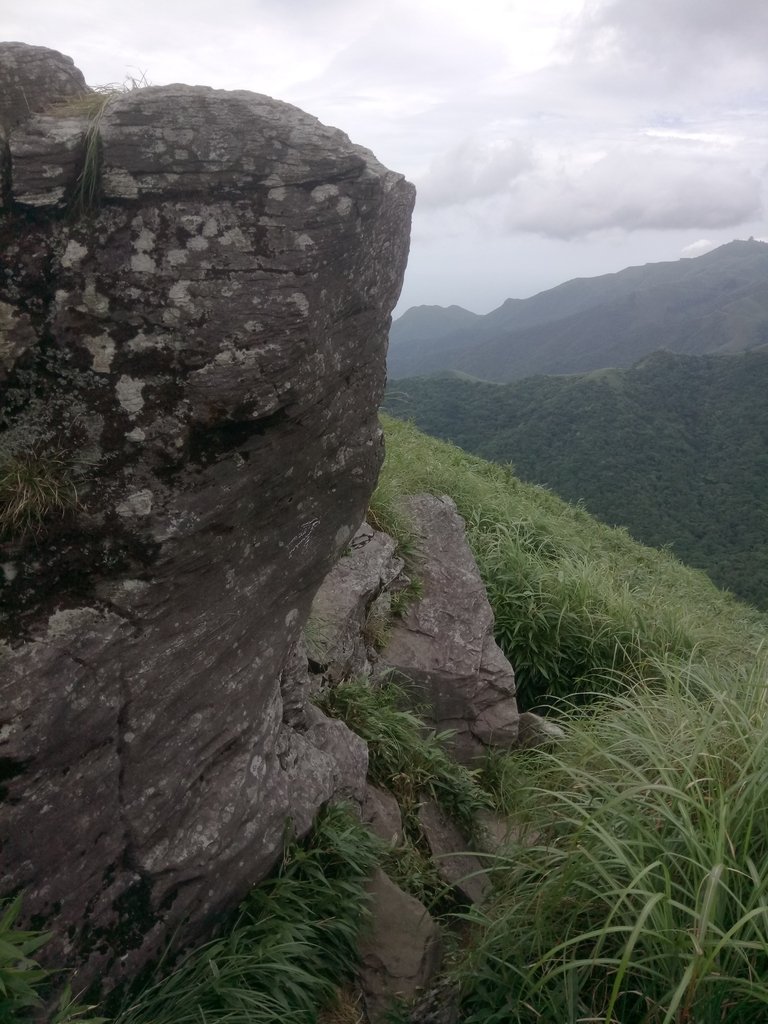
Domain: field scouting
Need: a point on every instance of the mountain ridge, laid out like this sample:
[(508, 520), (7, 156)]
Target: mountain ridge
[(674, 448), (710, 303)]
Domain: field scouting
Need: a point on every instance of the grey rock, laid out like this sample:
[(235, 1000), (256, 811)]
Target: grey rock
[(494, 831), (381, 814), (204, 352), (336, 635), (402, 953), (536, 731), (440, 1004), (456, 864), (33, 79), (47, 155), (444, 643)]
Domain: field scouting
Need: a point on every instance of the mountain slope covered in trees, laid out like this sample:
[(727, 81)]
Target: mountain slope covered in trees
[(675, 449), (714, 303)]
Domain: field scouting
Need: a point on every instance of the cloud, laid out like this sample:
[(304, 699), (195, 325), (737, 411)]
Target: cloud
[(474, 170), (689, 45), (698, 248), (568, 192), (632, 189)]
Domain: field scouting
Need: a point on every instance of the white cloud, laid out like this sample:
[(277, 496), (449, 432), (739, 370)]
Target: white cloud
[(698, 248), (474, 170), (633, 188)]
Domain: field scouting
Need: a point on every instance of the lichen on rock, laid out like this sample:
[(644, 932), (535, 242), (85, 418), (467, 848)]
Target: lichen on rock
[(207, 347)]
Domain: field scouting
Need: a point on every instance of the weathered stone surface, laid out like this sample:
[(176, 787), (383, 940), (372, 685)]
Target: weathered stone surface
[(439, 1005), (33, 79), (536, 731), (47, 156), (494, 831), (381, 814), (336, 636), (444, 643), (204, 355), (402, 952), (450, 850)]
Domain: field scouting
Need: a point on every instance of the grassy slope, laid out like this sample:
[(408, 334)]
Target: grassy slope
[(675, 449), (575, 602), (637, 889)]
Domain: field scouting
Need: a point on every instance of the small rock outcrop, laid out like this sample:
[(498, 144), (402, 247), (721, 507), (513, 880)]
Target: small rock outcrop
[(194, 308), (35, 79), (338, 640), (402, 953), (444, 646), (458, 868)]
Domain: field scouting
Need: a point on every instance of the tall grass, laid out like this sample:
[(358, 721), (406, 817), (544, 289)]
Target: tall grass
[(639, 893), (580, 608), (291, 948), (413, 763), (405, 757)]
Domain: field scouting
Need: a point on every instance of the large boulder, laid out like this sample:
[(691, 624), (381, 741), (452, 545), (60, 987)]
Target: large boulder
[(443, 646), (192, 371)]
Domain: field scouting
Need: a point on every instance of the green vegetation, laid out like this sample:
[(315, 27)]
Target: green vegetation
[(413, 763), (23, 983), (675, 449), (403, 756), (639, 891), (35, 486), (714, 303), (580, 608), (636, 891), (20, 975), (292, 946)]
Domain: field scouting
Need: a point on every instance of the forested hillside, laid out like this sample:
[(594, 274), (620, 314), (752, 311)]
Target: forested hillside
[(675, 449), (714, 303)]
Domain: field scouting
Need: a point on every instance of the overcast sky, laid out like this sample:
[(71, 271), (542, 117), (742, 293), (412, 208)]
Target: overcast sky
[(548, 139)]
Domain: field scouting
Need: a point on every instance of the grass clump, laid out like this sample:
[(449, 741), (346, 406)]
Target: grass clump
[(93, 105), (580, 608), (35, 487), (643, 898), (292, 946), (403, 756), (413, 763)]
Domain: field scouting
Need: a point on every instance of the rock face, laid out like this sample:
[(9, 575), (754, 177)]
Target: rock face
[(194, 365), (403, 951), (34, 79), (457, 867), (345, 604), (444, 644)]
